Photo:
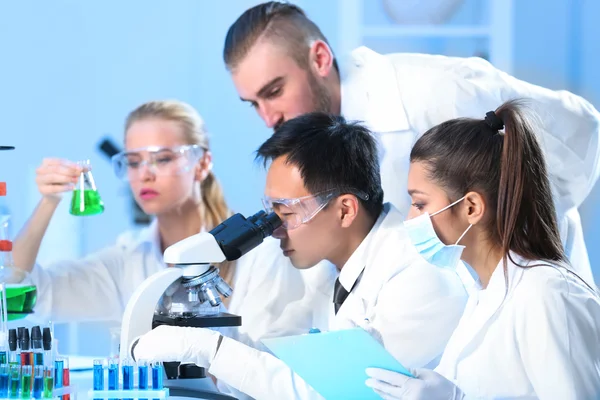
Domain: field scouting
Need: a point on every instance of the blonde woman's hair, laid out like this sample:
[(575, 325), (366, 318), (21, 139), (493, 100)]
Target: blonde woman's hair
[(214, 209)]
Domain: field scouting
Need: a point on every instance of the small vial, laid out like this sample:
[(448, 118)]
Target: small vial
[(127, 374), (58, 372), (38, 381), (4, 381), (26, 381), (14, 380), (48, 382), (98, 374), (142, 374), (157, 376), (113, 374)]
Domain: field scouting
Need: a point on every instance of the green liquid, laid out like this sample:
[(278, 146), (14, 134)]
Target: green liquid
[(48, 386), (26, 386), (92, 203), (20, 301)]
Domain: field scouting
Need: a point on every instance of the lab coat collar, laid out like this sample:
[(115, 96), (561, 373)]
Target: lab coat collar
[(358, 260), (370, 92), (150, 237), (484, 303)]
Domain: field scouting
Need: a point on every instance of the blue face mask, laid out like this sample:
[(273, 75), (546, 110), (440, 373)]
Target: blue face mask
[(423, 237)]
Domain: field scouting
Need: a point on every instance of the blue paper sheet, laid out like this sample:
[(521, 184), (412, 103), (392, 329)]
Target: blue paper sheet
[(334, 363)]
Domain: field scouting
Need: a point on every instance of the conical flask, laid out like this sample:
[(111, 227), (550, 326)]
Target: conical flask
[(21, 294), (86, 199)]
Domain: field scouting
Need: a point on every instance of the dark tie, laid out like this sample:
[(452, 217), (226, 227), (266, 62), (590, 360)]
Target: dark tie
[(339, 295)]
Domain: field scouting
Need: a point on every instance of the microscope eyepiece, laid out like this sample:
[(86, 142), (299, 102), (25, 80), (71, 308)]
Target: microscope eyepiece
[(267, 223)]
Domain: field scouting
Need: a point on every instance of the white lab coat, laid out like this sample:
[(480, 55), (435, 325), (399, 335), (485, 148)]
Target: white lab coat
[(411, 306), (401, 96), (538, 338), (267, 293)]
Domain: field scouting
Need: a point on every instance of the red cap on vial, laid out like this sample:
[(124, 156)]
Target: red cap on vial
[(5, 245), (2, 188)]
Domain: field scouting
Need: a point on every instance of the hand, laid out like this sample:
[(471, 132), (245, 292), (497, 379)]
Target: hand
[(427, 384), (175, 343), (56, 176)]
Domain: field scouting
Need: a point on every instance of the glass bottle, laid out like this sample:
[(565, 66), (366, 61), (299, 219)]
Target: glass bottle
[(86, 199)]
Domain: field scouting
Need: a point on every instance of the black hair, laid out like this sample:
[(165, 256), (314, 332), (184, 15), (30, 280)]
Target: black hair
[(330, 154), (282, 22), (500, 158)]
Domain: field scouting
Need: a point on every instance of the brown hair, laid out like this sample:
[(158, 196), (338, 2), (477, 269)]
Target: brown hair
[(507, 168), (214, 209), (283, 23)]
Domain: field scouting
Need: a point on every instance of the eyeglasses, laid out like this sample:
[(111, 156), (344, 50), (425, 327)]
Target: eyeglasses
[(298, 211), (162, 161)]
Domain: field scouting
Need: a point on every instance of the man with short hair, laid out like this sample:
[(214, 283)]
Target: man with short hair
[(323, 181), (282, 64)]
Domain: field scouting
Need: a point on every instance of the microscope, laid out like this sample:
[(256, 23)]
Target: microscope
[(189, 294)]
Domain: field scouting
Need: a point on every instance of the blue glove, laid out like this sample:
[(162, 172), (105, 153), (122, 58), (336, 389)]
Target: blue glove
[(426, 385)]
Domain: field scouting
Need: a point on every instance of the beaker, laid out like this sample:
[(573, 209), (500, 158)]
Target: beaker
[(86, 199)]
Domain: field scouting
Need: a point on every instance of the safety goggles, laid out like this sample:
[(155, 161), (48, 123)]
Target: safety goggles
[(162, 161), (298, 211)]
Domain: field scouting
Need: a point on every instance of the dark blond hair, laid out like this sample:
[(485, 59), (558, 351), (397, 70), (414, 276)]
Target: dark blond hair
[(214, 209)]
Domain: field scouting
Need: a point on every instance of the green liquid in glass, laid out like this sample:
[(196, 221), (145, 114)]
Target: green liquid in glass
[(92, 203), (26, 386), (20, 301), (48, 386)]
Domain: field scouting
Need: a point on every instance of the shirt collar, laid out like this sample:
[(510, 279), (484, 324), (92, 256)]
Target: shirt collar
[(358, 260)]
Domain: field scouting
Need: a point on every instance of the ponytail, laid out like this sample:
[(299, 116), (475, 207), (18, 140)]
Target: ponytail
[(214, 211), (525, 214)]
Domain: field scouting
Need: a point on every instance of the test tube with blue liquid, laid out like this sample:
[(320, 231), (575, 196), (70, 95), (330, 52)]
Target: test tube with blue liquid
[(127, 367), (4, 381), (98, 374), (157, 375), (142, 374), (38, 381), (58, 372), (113, 374)]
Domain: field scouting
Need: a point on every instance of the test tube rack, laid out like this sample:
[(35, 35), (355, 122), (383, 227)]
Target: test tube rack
[(135, 393)]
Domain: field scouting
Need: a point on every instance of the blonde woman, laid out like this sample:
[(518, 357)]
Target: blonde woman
[(167, 162)]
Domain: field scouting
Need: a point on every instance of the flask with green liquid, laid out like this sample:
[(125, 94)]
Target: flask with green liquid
[(21, 294), (86, 199)]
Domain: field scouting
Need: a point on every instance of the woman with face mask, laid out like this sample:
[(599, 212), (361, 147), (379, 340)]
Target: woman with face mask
[(167, 163), (531, 328)]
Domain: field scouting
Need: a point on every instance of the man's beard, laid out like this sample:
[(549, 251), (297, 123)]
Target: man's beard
[(320, 98)]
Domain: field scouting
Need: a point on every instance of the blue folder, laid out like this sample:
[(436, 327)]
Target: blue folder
[(334, 363)]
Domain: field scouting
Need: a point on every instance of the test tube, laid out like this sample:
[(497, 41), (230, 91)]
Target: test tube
[(26, 381), (14, 380), (127, 366), (38, 381), (66, 376), (3, 357), (157, 375), (113, 374), (4, 381), (48, 382), (58, 372), (98, 374), (142, 374)]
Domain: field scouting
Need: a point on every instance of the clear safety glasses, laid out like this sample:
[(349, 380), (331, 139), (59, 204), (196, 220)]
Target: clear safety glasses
[(163, 161), (298, 211)]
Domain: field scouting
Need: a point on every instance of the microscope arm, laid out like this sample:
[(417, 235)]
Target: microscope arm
[(137, 319)]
